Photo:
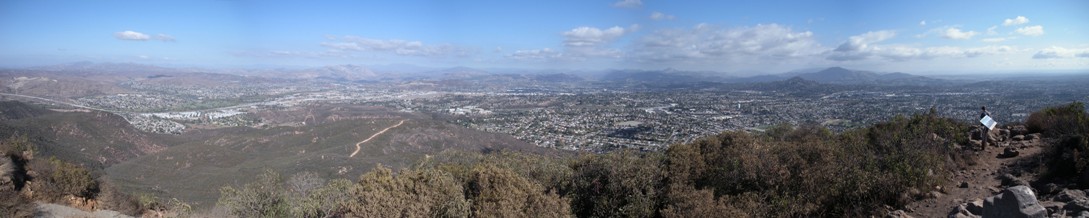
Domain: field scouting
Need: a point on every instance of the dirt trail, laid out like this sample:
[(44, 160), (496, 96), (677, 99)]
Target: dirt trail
[(359, 145), (982, 178)]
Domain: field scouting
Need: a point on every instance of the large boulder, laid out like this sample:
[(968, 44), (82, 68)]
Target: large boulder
[(1017, 201), (1032, 136), (971, 209), (1011, 180), (1018, 137), (1009, 152), (1018, 130), (1003, 134), (961, 211), (993, 136)]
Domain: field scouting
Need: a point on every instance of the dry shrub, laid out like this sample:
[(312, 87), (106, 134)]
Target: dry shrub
[(111, 198), (54, 179), (687, 201), (499, 192), (788, 172), (262, 198), (1060, 120), (1068, 156), (623, 183), (808, 171), (423, 193)]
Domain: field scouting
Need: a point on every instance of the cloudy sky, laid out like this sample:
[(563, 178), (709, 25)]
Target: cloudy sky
[(727, 36)]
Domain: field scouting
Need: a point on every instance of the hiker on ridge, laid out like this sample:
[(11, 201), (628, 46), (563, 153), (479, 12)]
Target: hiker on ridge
[(984, 131)]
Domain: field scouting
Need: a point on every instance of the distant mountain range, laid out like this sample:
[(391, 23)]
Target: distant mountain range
[(360, 73), (839, 75), (832, 75), (798, 86), (659, 76)]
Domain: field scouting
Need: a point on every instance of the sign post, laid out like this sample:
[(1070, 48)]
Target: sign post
[(988, 122)]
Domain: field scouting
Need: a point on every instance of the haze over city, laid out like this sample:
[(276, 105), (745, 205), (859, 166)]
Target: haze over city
[(732, 37)]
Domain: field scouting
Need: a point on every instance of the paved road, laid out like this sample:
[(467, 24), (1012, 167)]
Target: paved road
[(58, 102)]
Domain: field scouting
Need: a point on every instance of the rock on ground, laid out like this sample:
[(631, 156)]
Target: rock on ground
[(1017, 201), (1009, 152), (897, 214)]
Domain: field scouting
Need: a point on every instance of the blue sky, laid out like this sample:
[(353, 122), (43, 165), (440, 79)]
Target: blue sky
[(738, 37)]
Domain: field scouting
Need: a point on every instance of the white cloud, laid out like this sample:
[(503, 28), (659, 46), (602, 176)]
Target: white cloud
[(955, 33), (164, 37), (590, 36), (1015, 21), (922, 23), (861, 42), (905, 53), (991, 30), (536, 54), (394, 46), (131, 35), (996, 39), (706, 43), (1031, 30), (580, 43), (1056, 52), (866, 46), (628, 3), (137, 36), (660, 16)]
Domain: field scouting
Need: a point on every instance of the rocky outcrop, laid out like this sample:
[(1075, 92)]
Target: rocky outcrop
[(1017, 201), (1068, 203), (968, 210), (898, 214), (1011, 180), (1009, 152), (1018, 130)]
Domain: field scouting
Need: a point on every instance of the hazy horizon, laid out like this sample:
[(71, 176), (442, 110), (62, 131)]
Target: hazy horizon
[(739, 38)]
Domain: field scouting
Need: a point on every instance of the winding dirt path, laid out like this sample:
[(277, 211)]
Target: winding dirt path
[(359, 145), (982, 180)]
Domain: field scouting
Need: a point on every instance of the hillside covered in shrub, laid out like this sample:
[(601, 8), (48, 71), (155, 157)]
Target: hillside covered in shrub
[(785, 172)]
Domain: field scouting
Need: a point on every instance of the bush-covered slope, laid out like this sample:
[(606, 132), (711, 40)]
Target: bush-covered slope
[(237, 155), (787, 172)]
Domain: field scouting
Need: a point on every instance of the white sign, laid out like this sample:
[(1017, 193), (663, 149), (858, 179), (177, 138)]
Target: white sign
[(987, 121)]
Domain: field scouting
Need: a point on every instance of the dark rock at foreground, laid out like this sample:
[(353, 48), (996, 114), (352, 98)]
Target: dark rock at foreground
[(1017, 201)]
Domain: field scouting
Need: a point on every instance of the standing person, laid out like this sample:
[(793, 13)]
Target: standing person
[(984, 131)]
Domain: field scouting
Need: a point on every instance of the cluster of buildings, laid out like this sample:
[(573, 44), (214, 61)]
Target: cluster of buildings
[(593, 117), (652, 120)]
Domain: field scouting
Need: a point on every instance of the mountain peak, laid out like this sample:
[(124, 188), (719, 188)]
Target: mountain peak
[(835, 70), (797, 80)]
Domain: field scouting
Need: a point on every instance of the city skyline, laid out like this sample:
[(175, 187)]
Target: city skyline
[(731, 37)]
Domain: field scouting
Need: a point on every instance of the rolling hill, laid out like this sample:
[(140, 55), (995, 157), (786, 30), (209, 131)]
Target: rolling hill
[(94, 139), (205, 160), (839, 75)]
